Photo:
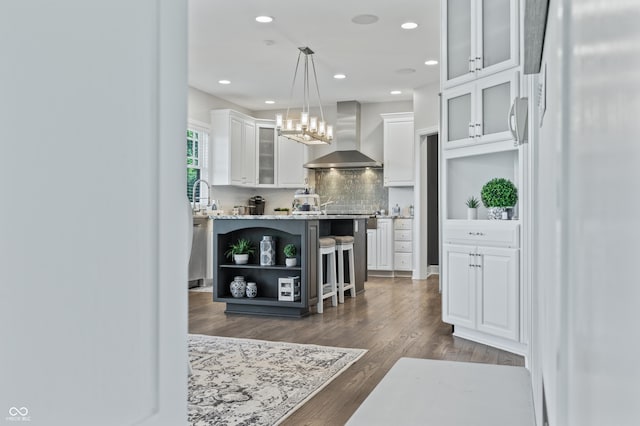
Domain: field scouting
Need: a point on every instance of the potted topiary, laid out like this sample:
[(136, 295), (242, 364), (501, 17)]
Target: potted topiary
[(472, 208), (290, 252), (498, 195), (240, 251)]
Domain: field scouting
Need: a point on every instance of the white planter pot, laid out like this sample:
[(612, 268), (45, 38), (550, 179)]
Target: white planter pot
[(241, 259), (290, 261), (495, 213), (472, 213)]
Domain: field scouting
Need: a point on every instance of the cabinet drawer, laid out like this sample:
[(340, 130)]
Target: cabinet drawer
[(403, 262), (403, 224), (402, 235), (403, 246), (492, 233)]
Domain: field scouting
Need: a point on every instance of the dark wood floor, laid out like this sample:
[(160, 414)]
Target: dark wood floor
[(393, 318)]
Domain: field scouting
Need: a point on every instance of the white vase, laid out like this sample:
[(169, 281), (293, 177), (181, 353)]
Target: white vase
[(495, 213), (241, 259), (267, 251), (290, 261), (472, 213)]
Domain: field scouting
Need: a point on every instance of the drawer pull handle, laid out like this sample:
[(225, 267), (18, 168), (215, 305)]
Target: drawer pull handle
[(476, 233)]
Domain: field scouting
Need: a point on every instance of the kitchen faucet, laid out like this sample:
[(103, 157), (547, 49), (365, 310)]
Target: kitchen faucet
[(193, 192)]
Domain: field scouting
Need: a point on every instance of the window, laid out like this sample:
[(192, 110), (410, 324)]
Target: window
[(197, 157)]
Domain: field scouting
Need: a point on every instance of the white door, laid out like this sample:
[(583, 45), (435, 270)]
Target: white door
[(236, 140), (249, 154), (385, 244), (93, 224), (372, 249), (291, 158), (498, 296), (459, 285)]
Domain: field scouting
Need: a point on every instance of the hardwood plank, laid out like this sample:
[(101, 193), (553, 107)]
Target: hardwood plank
[(393, 318)]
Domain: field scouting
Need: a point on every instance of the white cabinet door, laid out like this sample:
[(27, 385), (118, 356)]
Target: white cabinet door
[(398, 143), (248, 160), (498, 295), (291, 159), (477, 112), (459, 285), (479, 38), (372, 249), (385, 244), (236, 142)]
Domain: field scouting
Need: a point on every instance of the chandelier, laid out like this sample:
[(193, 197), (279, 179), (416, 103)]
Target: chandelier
[(306, 129)]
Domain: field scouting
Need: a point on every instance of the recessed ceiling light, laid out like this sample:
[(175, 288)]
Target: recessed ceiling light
[(431, 62), (405, 71), (364, 19), (409, 25), (269, 102), (224, 82), (396, 92), (264, 19), (339, 76)]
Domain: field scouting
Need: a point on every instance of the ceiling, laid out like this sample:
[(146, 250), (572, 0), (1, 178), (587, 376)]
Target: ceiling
[(225, 42)]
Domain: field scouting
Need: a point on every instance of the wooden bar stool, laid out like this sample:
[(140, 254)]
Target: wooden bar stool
[(345, 244), (329, 288)]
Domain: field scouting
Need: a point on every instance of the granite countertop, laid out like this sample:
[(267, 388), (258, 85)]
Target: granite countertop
[(292, 217), (307, 217)]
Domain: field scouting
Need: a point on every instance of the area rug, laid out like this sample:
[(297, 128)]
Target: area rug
[(255, 382), (205, 289)]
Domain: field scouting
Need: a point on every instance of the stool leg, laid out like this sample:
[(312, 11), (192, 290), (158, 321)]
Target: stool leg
[(320, 283), (352, 274), (334, 297), (340, 274)]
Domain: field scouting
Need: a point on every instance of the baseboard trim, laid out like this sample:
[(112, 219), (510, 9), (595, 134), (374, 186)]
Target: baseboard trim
[(433, 270)]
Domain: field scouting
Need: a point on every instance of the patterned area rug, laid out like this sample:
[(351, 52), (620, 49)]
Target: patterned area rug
[(254, 382)]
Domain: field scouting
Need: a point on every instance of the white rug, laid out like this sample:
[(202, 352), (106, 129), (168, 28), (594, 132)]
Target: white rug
[(205, 289), (255, 382)]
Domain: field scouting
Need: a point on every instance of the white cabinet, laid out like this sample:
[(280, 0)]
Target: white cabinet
[(380, 247), (233, 148), (479, 38), (481, 286), (403, 244), (398, 146), (291, 159), (477, 112)]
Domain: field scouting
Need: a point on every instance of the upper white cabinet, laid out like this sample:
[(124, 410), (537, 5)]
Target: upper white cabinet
[(291, 158), (479, 38), (233, 148), (398, 146), (247, 152), (477, 112)]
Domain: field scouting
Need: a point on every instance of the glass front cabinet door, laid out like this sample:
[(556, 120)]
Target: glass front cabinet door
[(477, 112), (480, 38)]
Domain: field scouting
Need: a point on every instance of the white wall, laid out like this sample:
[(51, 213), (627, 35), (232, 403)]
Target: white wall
[(426, 103), (585, 285), (200, 104)]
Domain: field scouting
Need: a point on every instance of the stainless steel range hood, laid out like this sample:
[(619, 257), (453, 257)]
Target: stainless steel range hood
[(347, 139)]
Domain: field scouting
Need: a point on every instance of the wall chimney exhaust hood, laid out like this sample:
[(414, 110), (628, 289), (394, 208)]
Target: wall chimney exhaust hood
[(347, 140)]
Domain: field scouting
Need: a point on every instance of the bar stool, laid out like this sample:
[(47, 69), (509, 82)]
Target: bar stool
[(327, 289), (345, 244)]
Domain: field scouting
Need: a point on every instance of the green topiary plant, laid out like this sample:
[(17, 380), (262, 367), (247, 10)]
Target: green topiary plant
[(243, 246), (499, 192), (473, 202), (290, 250)]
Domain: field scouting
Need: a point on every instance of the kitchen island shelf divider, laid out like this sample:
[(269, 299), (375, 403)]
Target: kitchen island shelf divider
[(253, 266)]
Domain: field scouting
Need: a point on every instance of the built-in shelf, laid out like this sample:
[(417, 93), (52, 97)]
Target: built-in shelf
[(249, 266)]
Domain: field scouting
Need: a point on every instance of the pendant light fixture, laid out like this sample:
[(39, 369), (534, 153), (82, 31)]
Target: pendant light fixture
[(307, 129)]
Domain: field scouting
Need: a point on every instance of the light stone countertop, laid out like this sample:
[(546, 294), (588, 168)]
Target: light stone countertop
[(291, 217)]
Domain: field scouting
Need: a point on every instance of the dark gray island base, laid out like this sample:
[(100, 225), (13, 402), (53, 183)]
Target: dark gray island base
[(304, 232)]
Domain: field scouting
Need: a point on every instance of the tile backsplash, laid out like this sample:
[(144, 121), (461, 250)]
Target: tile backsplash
[(358, 191)]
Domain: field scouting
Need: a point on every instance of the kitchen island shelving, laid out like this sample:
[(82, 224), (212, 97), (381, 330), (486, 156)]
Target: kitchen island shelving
[(302, 231)]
